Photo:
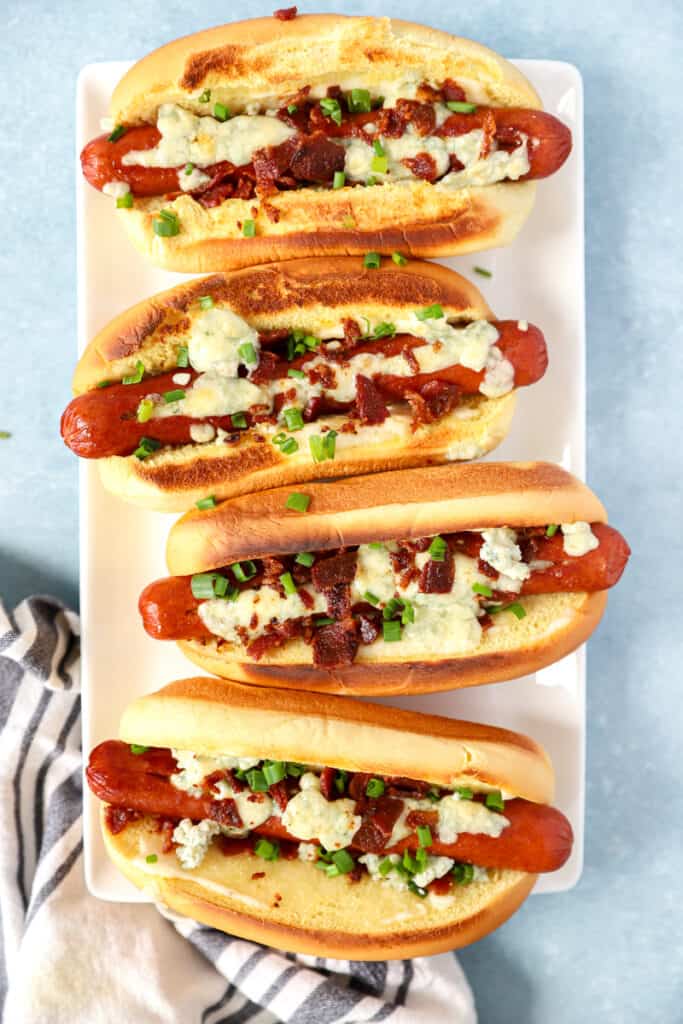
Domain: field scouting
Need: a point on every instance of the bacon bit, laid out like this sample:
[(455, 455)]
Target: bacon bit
[(167, 829), (335, 646), (217, 776), (348, 428), (267, 338), (486, 621), (455, 164), (285, 13), (324, 375), (487, 569), (338, 601), (368, 625), (437, 577), (279, 793), (467, 543), (117, 818), (441, 886), (306, 597), (225, 813), (452, 92), (258, 874), (253, 622), (273, 568), (378, 820), (428, 94), (334, 92), (399, 785), (237, 785), (435, 399), (417, 818), (423, 166), (357, 785), (371, 406), (410, 358), (231, 846), (489, 128), (339, 568), (352, 332), (316, 159), (422, 116), (277, 634), (327, 787)]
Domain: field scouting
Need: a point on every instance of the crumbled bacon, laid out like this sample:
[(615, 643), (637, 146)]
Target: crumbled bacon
[(455, 164), (117, 818), (306, 597), (370, 405), (352, 332), (267, 338), (267, 369), (417, 818), (399, 785), (317, 159), (378, 819), (410, 358), (167, 829), (339, 568), (277, 634), (335, 646), (421, 116), (285, 13), (423, 166), (279, 793), (225, 813), (273, 569), (452, 92), (437, 577), (338, 601), (327, 786)]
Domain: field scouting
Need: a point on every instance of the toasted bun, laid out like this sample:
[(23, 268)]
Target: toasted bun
[(391, 506), (313, 295), (292, 906), (212, 717), (388, 506), (262, 59)]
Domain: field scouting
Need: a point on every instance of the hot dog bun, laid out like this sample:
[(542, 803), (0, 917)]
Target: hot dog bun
[(388, 506), (306, 294), (263, 58), (314, 914)]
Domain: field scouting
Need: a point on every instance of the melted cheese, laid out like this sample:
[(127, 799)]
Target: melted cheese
[(501, 551), (309, 815), (457, 815), (186, 138), (578, 539), (193, 841), (224, 618), (193, 768)]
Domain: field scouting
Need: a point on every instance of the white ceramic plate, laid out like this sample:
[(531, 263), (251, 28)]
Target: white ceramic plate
[(540, 278)]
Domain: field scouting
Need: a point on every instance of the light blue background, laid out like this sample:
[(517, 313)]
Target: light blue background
[(612, 949)]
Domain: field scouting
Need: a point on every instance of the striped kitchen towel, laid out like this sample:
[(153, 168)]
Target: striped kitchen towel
[(68, 957)]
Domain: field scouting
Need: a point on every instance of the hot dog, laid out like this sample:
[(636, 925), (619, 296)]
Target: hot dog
[(240, 808), (407, 582), (450, 132), (250, 379)]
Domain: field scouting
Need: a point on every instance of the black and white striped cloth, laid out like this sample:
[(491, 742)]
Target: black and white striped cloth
[(67, 957)]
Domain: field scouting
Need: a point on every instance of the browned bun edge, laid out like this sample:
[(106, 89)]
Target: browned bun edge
[(417, 502), (213, 716), (292, 906), (292, 666), (300, 293)]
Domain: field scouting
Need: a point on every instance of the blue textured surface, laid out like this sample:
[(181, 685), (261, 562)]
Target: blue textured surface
[(611, 949)]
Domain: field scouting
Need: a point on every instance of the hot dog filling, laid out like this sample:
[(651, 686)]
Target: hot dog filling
[(324, 137), (365, 379), (398, 831), (433, 594)]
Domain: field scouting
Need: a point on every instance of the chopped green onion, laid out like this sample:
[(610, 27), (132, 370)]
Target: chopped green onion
[(124, 202), (340, 781), (137, 748), (205, 96), (371, 180), (434, 312), (433, 796), (104, 383), (305, 558), (205, 503), (243, 571), (221, 112), (424, 835), (380, 164), (463, 873), (378, 148), (183, 357), (392, 607), (437, 549), (151, 858), (189, 168), (288, 583), (247, 353), (323, 446), (166, 224), (239, 421), (256, 781), (358, 101), (482, 271), (267, 850), (377, 545), (311, 342), (203, 585), (221, 586), (516, 608), (370, 597), (206, 301), (116, 134), (552, 529), (146, 447), (421, 856), (460, 107), (416, 889), (331, 109), (481, 588), (249, 228), (374, 788), (289, 446), (294, 769), (324, 622), (298, 502), (299, 374), (383, 330), (494, 800), (391, 630), (385, 866), (145, 410), (292, 108), (409, 862), (339, 179), (331, 870), (343, 861), (274, 771), (399, 259), (408, 613), (293, 418), (371, 260), (135, 378), (173, 396)]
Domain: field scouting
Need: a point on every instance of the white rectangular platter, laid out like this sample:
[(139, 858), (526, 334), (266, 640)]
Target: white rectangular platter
[(540, 278)]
